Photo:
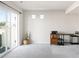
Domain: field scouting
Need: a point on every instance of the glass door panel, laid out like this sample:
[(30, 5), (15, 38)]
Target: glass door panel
[(2, 31), (13, 30)]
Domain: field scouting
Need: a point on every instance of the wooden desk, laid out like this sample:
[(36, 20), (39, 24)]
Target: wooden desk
[(71, 37), (55, 38), (61, 36)]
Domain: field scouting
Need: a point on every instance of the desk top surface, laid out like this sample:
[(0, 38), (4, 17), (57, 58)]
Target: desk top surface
[(70, 34), (64, 34)]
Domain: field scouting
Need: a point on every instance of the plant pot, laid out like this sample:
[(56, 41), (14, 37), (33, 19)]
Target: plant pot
[(25, 42)]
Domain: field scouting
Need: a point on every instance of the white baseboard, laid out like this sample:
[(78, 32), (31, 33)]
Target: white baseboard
[(41, 43)]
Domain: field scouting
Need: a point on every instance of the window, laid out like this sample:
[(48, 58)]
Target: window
[(33, 16), (41, 16)]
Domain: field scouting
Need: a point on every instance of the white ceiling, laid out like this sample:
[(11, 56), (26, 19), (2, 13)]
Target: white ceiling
[(43, 5), (75, 11)]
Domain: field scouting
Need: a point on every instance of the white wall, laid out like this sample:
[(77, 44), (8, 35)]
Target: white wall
[(54, 20), (21, 27)]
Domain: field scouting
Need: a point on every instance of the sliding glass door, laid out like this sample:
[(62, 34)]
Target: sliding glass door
[(9, 23), (14, 30)]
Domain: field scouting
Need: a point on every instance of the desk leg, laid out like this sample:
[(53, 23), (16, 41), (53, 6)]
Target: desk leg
[(78, 40), (62, 41)]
